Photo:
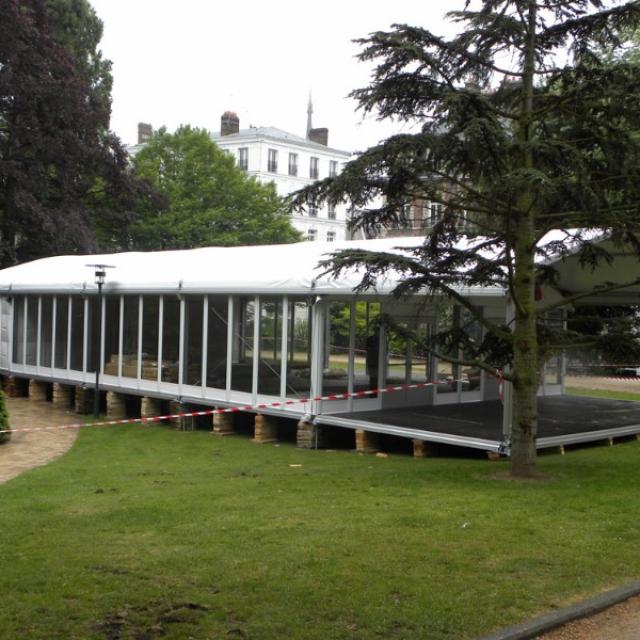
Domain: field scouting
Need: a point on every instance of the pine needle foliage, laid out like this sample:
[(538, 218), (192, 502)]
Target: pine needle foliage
[(526, 126)]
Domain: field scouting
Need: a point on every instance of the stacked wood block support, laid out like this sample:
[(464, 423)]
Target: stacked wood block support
[(37, 390), (83, 400), (116, 406), (15, 387), (265, 429), (421, 449), (494, 456), (366, 441), (223, 424), (183, 424), (62, 395), (310, 436), (150, 407)]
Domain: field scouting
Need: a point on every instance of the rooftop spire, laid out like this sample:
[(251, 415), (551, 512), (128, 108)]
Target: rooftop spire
[(309, 115)]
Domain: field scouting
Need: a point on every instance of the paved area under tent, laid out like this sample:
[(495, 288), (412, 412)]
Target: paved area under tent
[(563, 420)]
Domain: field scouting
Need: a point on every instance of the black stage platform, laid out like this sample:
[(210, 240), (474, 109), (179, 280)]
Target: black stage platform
[(562, 420)]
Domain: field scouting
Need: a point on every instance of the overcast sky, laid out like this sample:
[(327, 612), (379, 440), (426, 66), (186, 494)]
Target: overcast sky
[(186, 62)]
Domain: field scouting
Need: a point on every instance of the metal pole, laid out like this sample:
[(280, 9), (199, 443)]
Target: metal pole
[(96, 392)]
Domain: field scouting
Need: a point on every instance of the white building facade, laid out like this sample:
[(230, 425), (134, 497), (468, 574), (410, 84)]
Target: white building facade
[(290, 162)]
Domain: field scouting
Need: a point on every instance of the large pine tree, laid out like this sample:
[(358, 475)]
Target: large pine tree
[(526, 127)]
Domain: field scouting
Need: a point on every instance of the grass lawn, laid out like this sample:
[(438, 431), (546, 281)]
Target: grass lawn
[(603, 393), (142, 533)]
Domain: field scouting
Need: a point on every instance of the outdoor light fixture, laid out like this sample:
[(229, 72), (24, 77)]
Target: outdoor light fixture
[(100, 275)]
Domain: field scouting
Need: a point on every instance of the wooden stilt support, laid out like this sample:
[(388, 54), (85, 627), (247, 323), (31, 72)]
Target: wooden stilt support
[(222, 424), (116, 407), (366, 441), (310, 436), (421, 449), (15, 387), (62, 395), (83, 401), (494, 456), (37, 390), (150, 407), (265, 429)]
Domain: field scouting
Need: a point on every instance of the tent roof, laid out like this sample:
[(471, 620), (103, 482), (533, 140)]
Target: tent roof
[(286, 269)]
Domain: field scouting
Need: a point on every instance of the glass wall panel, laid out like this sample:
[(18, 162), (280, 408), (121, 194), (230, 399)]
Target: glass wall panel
[(397, 355), (448, 373), (367, 349), (242, 367), (77, 332), (93, 337), (46, 331), (420, 366), (192, 372), (299, 365), (62, 331), (335, 372), (217, 343), (170, 339), (270, 347), (472, 330), (554, 322), (130, 337), (111, 334), (32, 329), (18, 329), (150, 331)]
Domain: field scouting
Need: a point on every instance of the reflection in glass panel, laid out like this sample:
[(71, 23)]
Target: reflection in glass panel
[(150, 330), (299, 365), (420, 366), (397, 356), (18, 329), (471, 376), (335, 369), (270, 347), (32, 329), (192, 373), (77, 332), (242, 367), (553, 367), (111, 334), (447, 374), (93, 330), (367, 352), (130, 337), (170, 339), (46, 331), (217, 343), (62, 331)]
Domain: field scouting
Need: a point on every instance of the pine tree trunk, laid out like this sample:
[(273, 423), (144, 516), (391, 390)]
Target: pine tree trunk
[(525, 339)]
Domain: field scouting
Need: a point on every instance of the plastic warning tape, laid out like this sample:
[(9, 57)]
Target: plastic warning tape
[(211, 412)]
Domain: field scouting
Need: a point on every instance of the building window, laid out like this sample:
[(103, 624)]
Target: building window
[(313, 208), (272, 164), (293, 164), (312, 234), (313, 168), (333, 168), (331, 236), (243, 158), (331, 211), (436, 209)]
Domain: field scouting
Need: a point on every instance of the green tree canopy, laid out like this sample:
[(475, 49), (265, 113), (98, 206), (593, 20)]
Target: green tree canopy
[(526, 128), (62, 173), (209, 200)]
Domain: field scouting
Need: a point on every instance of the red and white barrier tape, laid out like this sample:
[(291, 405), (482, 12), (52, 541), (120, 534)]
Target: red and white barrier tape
[(210, 412)]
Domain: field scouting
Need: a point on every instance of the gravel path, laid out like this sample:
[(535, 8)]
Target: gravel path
[(608, 384), (620, 622), (28, 450)]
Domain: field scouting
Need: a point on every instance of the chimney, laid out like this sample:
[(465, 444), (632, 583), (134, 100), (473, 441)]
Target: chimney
[(145, 131), (321, 136), (229, 123)]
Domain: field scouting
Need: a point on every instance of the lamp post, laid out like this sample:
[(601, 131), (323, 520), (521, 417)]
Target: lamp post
[(100, 275)]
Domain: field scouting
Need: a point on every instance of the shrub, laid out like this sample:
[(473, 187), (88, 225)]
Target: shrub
[(4, 418)]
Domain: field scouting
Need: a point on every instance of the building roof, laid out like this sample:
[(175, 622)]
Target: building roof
[(267, 269), (276, 135)]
